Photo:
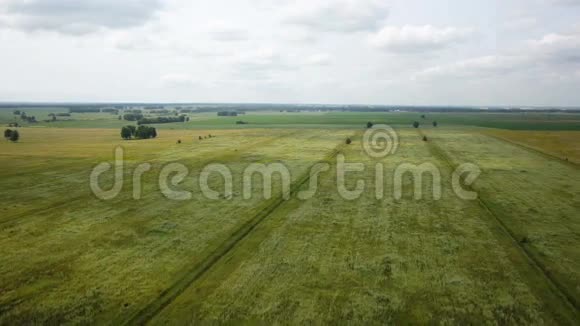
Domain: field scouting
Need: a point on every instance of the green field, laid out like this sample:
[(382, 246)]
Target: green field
[(509, 257), (513, 121)]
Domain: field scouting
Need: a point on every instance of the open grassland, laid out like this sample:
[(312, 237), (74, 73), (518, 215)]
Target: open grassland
[(88, 260), (562, 144), (510, 257), (536, 198), (376, 261)]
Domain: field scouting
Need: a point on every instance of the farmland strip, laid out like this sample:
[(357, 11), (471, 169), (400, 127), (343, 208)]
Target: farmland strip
[(533, 150), (558, 291), (170, 294)]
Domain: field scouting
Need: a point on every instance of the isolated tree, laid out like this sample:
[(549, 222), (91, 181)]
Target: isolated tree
[(23, 115), (348, 141), (16, 112), (14, 136), (120, 118), (424, 138), (423, 116), (126, 133), (200, 138), (53, 117), (416, 124), (369, 125), (179, 141), (153, 133), (435, 124), (7, 133)]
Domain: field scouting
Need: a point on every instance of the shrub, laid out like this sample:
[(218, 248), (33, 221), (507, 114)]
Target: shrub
[(435, 124), (348, 141), (126, 133), (369, 125), (416, 124), (133, 129), (145, 132), (14, 136), (424, 138)]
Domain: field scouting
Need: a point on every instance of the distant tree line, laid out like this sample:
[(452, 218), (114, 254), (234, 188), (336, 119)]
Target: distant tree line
[(148, 121), (227, 114), (27, 118), (110, 110), (141, 132), (159, 111), (132, 116), (84, 110)]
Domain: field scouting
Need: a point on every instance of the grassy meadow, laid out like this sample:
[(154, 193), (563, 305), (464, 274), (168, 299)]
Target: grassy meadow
[(509, 257)]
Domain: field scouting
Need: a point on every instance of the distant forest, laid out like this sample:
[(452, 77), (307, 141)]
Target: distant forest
[(250, 107)]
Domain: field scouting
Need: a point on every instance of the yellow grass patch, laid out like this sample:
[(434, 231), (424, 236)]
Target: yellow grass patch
[(562, 144)]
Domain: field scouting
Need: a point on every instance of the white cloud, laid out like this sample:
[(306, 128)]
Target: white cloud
[(419, 38), (337, 15), (76, 17)]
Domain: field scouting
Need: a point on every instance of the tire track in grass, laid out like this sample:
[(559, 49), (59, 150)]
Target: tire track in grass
[(554, 295), (166, 297)]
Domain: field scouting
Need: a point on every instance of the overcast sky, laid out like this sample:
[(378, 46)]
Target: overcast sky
[(478, 52)]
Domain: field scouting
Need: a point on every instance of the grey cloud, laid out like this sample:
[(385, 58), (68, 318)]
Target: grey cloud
[(481, 67), (337, 16), (224, 32), (419, 38), (565, 2), (555, 54), (76, 17)]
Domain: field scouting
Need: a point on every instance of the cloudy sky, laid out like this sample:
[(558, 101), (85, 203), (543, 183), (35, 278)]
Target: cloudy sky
[(478, 52)]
